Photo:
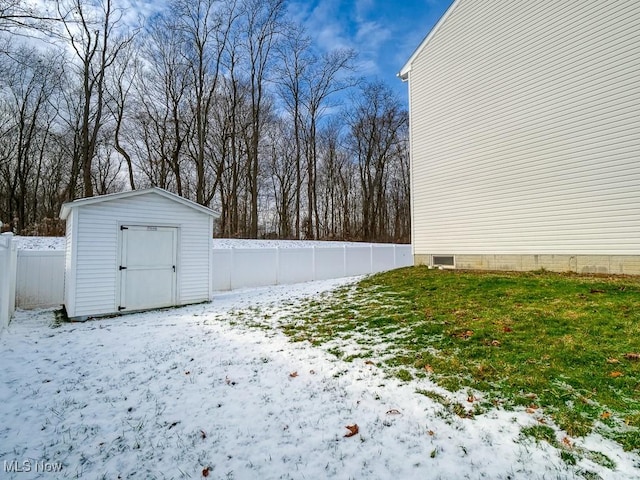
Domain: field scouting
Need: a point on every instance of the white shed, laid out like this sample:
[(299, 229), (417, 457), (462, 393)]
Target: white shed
[(136, 250)]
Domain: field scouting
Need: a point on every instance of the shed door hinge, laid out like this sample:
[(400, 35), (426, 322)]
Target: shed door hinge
[(122, 268), (121, 308), (122, 227)]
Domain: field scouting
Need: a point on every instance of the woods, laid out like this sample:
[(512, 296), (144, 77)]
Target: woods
[(226, 102)]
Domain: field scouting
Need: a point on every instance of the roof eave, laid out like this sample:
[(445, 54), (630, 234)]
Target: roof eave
[(65, 210), (404, 72)]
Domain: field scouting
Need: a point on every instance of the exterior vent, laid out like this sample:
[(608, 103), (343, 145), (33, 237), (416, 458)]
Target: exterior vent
[(445, 261)]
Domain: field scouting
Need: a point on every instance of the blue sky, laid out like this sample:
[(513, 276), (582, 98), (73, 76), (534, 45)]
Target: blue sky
[(384, 32)]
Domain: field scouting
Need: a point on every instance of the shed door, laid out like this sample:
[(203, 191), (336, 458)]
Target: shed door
[(148, 258)]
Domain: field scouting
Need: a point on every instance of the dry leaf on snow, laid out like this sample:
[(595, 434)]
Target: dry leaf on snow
[(393, 411), (293, 374), (353, 429)]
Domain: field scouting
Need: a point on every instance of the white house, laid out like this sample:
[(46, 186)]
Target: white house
[(136, 250), (525, 136)]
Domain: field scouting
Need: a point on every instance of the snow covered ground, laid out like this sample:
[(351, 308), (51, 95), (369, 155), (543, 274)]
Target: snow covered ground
[(198, 391), (57, 243)]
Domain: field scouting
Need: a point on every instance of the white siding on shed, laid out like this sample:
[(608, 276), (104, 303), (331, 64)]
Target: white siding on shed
[(525, 133), (93, 256)]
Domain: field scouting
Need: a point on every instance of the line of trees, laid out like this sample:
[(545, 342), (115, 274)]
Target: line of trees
[(225, 102)]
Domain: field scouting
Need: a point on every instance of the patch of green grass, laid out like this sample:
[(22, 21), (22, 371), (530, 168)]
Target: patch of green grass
[(556, 341)]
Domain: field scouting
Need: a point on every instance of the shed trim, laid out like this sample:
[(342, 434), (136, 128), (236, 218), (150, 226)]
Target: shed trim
[(66, 207)]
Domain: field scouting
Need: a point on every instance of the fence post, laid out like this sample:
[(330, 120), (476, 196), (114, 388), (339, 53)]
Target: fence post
[(371, 258), (344, 261), (232, 267), (7, 279), (13, 276)]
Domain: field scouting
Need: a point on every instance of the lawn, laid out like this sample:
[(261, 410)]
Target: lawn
[(564, 347)]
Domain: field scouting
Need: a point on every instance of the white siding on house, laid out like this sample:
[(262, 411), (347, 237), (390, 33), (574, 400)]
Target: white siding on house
[(525, 129), (96, 244)]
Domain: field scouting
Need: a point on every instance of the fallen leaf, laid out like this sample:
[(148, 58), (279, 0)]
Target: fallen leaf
[(471, 399), (596, 290), (205, 471), (203, 435), (293, 374), (353, 429), (369, 362), (428, 368), (613, 360), (615, 374), (605, 415), (507, 329), (542, 421), (632, 356), (567, 442), (431, 433), (495, 343), (393, 411)]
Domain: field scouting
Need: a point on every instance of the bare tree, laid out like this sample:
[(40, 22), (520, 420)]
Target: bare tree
[(263, 27), (293, 67), (324, 80), (376, 124), (29, 79), (20, 18), (93, 35)]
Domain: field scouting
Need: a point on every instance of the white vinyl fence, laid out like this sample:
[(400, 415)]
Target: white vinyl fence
[(235, 268), (37, 280), (40, 278), (8, 264)]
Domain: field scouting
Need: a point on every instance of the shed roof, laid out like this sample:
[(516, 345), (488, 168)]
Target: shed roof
[(404, 72), (81, 202)]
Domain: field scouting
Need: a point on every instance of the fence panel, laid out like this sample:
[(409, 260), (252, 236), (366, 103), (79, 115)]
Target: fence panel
[(358, 261), (295, 265), (383, 258), (8, 262), (222, 266), (254, 267), (404, 256), (330, 263), (40, 278)]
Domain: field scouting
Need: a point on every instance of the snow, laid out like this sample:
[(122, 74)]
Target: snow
[(167, 394), (58, 243)]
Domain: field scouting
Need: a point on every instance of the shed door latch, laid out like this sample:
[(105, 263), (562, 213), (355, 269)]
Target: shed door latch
[(121, 308), (122, 268)]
